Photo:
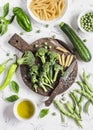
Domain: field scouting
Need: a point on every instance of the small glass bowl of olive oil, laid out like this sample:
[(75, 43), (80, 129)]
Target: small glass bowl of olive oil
[(24, 109)]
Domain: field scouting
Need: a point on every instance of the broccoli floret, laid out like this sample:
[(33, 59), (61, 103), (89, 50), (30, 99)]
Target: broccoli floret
[(35, 86), (57, 68), (34, 69), (53, 56), (46, 69), (34, 78), (27, 59), (41, 54)]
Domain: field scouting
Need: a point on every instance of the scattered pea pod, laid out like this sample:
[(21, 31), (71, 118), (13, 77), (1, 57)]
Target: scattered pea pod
[(87, 106), (9, 76)]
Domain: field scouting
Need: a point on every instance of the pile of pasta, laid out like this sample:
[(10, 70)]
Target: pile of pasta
[(47, 9)]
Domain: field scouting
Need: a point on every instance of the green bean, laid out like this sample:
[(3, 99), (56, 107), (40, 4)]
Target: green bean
[(69, 106), (80, 104), (85, 94), (86, 107), (76, 103), (87, 90), (86, 81), (62, 117), (61, 108)]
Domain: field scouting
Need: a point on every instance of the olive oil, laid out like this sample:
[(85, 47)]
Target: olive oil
[(26, 109)]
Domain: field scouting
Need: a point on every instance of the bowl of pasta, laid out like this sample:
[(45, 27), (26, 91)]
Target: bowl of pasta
[(47, 11)]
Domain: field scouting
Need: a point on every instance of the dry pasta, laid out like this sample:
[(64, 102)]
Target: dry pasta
[(47, 9)]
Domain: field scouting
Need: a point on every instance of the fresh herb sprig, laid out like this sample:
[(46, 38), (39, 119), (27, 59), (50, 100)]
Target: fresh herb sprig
[(3, 21)]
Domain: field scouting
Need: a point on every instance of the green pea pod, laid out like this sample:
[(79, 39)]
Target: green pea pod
[(22, 19), (9, 76)]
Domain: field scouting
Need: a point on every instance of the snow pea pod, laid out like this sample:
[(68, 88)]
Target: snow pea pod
[(22, 19), (9, 76)]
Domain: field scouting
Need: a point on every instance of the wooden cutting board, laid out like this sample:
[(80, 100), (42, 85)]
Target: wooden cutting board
[(23, 46)]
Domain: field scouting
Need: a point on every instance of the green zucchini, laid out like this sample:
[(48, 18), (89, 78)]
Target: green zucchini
[(78, 44)]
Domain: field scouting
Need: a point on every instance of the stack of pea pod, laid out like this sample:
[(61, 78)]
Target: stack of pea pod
[(74, 108)]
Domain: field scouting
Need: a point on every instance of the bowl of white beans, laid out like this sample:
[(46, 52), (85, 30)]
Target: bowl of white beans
[(85, 21)]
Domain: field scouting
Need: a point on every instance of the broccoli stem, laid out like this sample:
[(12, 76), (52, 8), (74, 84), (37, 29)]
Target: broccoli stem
[(55, 76), (43, 59), (35, 87), (48, 85)]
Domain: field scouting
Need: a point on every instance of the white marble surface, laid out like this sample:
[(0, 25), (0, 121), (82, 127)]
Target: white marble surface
[(7, 119)]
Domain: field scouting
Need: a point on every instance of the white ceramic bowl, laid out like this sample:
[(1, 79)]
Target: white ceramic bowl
[(16, 113), (79, 24), (55, 21)]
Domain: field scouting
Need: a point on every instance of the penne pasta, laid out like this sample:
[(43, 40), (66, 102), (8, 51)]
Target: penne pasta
[(61, 49), (67, 60), (70, 60), (53, 7), (63, 59)]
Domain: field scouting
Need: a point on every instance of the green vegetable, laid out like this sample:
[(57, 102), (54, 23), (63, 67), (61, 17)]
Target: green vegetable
[(86, 22), (85, 79), (78, 44), (41, 52), (3, 66), (84, 40), (63, 117), (34, 69), (9, 76), (36, 45), (75, 102), (86, 107), (3, 21), (54, 36), (57, 69), (43, 112), (22, 19), (34, 72), (27, 59), (62, 109), (14, 86), (5, 10), (38, 31), (69, 107), (53, 56), (80, 104), (12, 98), (46, 25), (54, 113), (42, 84), (85, 94), (45, 71)]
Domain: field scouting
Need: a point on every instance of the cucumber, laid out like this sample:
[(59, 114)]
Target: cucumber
[(78, 44)]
